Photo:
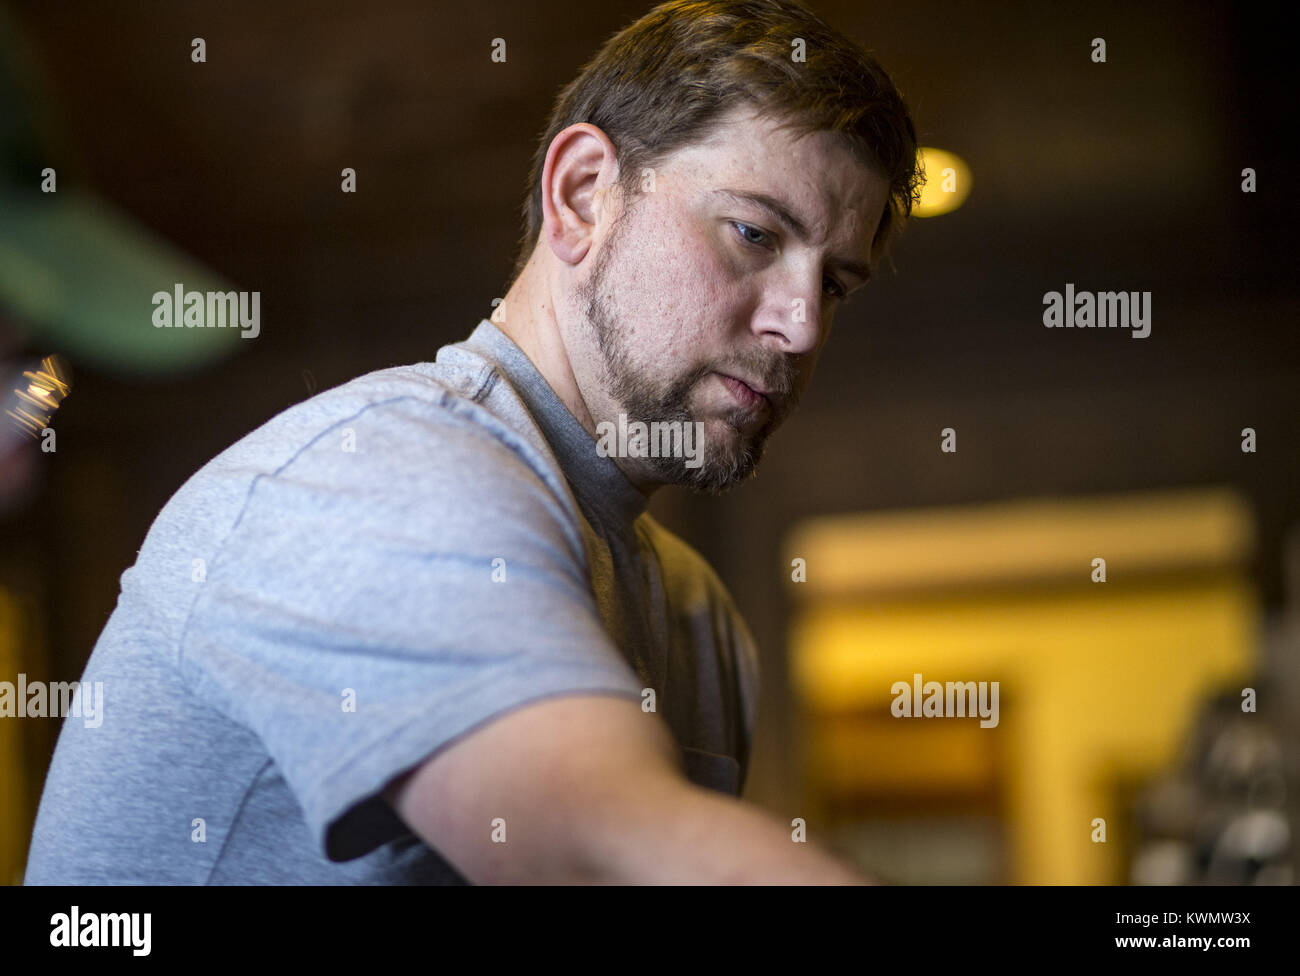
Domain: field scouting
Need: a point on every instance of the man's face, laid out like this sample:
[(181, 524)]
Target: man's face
[(695, 282)]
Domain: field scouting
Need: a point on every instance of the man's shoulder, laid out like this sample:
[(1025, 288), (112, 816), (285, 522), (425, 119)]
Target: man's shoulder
[(411, 443), (450, 390), (415, 417)]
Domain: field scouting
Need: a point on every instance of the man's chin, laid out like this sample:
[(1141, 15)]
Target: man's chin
[(728, 459)]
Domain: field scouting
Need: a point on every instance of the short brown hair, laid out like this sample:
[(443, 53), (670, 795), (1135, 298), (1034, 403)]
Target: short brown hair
[(658, 85)]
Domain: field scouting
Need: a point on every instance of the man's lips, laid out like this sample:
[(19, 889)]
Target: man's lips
[(750, 396)]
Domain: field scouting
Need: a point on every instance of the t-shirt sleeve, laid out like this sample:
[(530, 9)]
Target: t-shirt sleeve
[(408, 576)]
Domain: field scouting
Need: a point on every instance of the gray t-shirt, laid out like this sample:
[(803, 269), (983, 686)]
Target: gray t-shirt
[(356, 584)]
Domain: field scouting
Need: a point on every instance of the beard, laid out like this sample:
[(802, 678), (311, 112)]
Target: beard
[(726, 458)]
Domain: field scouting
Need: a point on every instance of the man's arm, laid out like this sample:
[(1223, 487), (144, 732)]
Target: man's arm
[(590, 790)]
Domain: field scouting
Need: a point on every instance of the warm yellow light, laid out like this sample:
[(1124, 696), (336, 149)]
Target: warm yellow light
[(948, 181)]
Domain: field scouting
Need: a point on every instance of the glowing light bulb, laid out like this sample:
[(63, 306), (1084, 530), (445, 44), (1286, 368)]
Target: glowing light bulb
[(948, 182)]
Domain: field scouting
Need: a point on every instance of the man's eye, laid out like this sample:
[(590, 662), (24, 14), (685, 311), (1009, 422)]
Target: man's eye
[(835, 290), (741, 228)]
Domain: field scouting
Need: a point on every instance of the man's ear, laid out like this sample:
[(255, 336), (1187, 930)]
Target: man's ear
[(581, 166)]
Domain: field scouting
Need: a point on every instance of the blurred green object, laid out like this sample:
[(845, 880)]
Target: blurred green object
[(77, 275), (80, 277)]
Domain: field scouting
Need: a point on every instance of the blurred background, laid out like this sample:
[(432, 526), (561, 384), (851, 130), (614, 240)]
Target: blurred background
[(1123, 703)]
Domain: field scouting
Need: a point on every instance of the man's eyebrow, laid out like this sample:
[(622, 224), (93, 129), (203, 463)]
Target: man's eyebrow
[(781, 213)]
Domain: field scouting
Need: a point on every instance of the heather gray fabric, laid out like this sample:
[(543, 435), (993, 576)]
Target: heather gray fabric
[(315, 612)]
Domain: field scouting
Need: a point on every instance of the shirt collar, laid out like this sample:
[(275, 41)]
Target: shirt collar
[(598, 482)]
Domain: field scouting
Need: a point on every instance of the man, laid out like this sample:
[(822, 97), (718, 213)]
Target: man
[(421, 628)]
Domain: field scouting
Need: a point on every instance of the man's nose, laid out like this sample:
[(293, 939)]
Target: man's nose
[(792, 324)]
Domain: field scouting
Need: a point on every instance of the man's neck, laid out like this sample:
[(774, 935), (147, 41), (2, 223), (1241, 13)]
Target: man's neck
[(529, 322)]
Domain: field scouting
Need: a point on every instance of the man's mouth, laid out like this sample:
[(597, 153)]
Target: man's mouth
[(745, 394)]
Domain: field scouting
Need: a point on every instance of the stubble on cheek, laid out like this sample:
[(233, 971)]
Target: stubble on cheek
[(651, 316)]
